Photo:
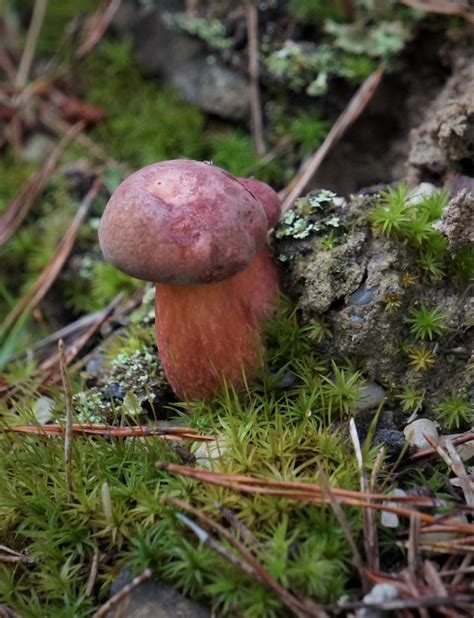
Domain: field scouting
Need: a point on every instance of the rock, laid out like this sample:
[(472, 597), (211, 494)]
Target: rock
[(392, 439), (414, 432), (37, 148), (371, 395), (183, 61), (379, 594), (155, 600), (390, 520), (42, 409), (458, 183), (364, 288), (446, 138), (207, 452), (329, 275), (457, 222), (421, 192)]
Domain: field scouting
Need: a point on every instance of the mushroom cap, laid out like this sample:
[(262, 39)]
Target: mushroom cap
[(266, 196), (182, 222)]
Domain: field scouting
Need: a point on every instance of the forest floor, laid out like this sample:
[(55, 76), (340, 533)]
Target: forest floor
[(340, 482)]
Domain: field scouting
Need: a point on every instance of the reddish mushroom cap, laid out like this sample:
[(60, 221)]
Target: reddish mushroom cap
[(266, 196), (182, 222)]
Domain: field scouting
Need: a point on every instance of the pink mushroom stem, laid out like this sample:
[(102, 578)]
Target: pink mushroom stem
[(210, 334)]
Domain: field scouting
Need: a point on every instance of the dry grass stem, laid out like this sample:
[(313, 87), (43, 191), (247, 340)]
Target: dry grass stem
[(370, 528), (341, 518), (92, 573), (26, 61), (211, 542), (68, 432), (256, 121)]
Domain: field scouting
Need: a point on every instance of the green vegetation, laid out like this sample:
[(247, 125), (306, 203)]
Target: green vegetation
[(455, 410), (271, 431), (410, 398), (421, 358), (410, 219), (426, 323)]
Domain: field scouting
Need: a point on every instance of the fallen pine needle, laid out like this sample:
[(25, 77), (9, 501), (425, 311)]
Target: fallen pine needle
[(313, 492), (92, 429)]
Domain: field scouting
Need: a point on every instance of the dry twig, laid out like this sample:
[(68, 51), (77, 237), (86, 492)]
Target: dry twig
[(313, 492), (429, 452)]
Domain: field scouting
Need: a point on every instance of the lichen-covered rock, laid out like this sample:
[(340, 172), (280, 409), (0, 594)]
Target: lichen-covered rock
[(366, 289)]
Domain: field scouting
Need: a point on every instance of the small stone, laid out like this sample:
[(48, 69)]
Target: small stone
[(156, 600), (362, 296), (414, 432), (380, 594), (42, 409), (207, 452), (115, 390), (38, 148), (390, 520), (371, 395), (421, 192), (392, 439)]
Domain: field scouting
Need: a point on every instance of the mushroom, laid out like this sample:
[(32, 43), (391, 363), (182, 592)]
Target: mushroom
[(200, 235)]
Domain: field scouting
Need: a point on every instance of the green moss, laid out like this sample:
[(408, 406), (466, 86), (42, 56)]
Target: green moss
[(455, 410), (271, 431), (397, 215), (13, 174), (145, 122)]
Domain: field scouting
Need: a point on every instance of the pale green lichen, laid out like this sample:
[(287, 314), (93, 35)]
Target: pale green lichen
[(212, 31), (309, 216)]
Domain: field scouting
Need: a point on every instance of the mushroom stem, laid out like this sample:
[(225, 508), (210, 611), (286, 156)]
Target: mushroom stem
[(211, 334)]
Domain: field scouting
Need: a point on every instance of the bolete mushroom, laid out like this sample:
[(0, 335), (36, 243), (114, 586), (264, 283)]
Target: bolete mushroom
[(200, 235)]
